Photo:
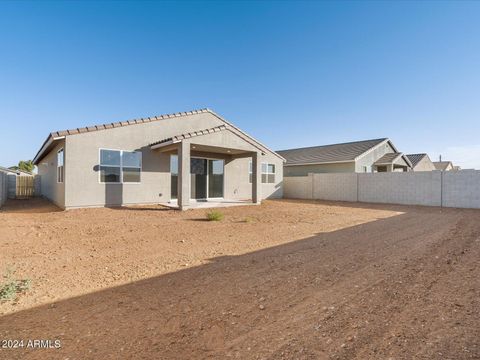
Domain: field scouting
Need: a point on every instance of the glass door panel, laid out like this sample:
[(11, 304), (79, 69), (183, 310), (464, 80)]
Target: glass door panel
[(215, 178), (198, 171)]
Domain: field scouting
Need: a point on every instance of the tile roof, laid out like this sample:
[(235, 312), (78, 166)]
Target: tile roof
[(180, 137), (125, 123), (56, 135), (388, 158), (415, 158), (344, 152)]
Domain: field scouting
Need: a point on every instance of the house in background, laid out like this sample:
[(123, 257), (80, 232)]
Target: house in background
[(178, 158), (378, 155), (421, 162), (16, 172), (443, 165)]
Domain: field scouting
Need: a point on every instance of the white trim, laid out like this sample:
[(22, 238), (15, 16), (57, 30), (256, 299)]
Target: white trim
[(47, 143), (63, 165), (121, 182)]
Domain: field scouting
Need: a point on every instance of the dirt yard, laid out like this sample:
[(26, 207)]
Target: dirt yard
[(284, 280)]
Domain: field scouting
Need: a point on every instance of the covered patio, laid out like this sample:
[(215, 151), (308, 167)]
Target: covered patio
[(392, 162), (197, 167)]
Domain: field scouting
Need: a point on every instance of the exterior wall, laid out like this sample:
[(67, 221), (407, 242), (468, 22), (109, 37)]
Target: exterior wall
[(369, 158), (432, 188), (238, 186), (424, 165), (304, 170), (82, 178), (47, 169)]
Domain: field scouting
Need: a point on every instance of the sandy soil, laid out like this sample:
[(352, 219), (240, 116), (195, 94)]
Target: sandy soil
[(284, 280)]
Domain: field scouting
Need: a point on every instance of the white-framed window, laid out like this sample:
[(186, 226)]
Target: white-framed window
[(120, 166), (60, 165), (268, 173)]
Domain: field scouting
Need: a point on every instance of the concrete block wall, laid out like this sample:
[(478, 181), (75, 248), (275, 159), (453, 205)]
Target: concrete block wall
[(408, 188), (3, 188), (341, 187), (431, 188), (297, 187), (461, 189)]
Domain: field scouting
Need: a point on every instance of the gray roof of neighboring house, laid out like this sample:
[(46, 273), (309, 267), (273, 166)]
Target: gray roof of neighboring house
[(415, 158), (442, 165), (388, 159), (344, 152)]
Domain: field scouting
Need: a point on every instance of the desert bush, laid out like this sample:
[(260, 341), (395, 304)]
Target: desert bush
[(10, 287), (214, 215)]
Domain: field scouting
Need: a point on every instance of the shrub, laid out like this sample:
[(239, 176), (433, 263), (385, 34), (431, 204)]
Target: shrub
[(9, 287), (214, 215)]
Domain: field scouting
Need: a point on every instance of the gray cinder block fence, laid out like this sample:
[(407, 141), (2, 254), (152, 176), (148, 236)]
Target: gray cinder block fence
[(14, 187), (3, 188), (434, 188)]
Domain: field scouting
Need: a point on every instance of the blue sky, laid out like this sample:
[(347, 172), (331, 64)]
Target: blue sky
[(291, 74)]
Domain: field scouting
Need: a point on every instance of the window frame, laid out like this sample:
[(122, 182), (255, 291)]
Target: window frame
[(61, 150), (266, 173), (121, 182)]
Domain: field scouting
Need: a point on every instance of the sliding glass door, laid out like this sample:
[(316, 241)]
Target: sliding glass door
[(206, 178), (215, 178)]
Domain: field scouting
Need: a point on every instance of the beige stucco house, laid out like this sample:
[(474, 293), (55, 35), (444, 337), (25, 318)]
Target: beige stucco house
[(377, 155), (178, 158), (443, 165), (421, 162)]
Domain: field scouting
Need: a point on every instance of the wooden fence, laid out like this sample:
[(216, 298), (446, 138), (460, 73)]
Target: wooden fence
[(25, 187)]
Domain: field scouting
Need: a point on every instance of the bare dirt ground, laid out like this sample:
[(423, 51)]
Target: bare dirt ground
[(284, 280)]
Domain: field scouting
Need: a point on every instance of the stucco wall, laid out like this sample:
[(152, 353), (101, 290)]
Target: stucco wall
[(82, 183), (304, 170), (430, 188), (47, 169)]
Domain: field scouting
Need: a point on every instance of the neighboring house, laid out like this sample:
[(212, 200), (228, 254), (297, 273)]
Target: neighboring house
[(456, 168), (195, 155), (443, 165), (378, 155), (15, 172), (421, 162)]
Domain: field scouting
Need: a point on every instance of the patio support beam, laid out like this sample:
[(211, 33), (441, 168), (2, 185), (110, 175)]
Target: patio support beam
[(256, 178), (183, 175)]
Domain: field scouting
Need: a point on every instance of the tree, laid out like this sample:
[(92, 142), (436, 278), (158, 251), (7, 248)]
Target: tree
[(24, 166)]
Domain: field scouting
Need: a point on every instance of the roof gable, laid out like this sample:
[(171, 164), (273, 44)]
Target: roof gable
[(334, 153), (57, 135)]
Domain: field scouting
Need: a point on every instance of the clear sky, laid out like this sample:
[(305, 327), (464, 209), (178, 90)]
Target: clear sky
[(291, 74)]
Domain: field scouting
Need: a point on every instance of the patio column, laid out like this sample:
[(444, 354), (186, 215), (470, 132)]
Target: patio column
[(183, 175), (256, 178)]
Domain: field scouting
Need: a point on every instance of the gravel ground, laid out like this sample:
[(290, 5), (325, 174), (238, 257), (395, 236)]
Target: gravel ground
[(284, 280)]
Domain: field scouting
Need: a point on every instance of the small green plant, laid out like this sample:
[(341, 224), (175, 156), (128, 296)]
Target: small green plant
[(10, 288), (214, 215)]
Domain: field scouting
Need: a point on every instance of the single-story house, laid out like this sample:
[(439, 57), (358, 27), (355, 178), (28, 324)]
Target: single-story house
[(378, 155), (178, 158), (421, 162), (443, 165)]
